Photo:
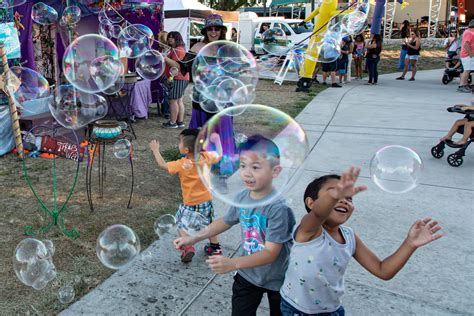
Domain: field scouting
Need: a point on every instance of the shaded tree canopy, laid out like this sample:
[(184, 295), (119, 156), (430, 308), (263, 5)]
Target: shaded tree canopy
[(231, 5)]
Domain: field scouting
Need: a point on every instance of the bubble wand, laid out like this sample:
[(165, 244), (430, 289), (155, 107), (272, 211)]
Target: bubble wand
[(6, 79)]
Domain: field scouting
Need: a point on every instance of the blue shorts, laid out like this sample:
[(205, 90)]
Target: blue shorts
[(186, 212), (288, 310)]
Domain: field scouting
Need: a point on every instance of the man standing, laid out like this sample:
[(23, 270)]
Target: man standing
[(467, 57)]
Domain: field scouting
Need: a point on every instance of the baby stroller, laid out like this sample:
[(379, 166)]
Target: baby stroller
[(455, 159), (451, 72)]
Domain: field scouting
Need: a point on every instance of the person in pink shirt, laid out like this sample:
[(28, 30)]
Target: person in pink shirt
[(467, 57)]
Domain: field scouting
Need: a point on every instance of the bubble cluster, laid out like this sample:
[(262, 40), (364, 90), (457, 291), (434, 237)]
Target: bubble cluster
[(117, 245), (25, 84), (275, 42), (262, 135), (193, 223), (91, 63), (396, 169), (134, 40), (150, 65), (109, 15), (354, 23), (164, 224), (43, 14), (66, 294), (74, 109), (33, 262), (6, 4), (109, 30), (122, 148), (220, 69), (71, 15)]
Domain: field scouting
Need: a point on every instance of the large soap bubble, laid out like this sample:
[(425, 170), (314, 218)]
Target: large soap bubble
[(134, 40), (74, 109), (164, 224), (150, 65), (6, 4), (117, 245), (43, 14), (396, 169), (33, 262), (218, 62), (275, 42), (91, 63), (193, 223), (109, 15), (253, 129), (354, 23), (26, 84), (71, 15), (109, 30), (329, 48)]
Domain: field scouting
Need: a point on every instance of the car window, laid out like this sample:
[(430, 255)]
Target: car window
[(301, 29), (284, 28), (264, 27)]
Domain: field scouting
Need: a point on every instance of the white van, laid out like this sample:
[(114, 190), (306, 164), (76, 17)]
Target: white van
[(251, 28)]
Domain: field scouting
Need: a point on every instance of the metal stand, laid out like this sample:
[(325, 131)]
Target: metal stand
[(98, 146)]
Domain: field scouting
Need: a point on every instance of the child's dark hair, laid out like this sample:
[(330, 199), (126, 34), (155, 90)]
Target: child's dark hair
[(312, 190), (189, 137), (263, 146)]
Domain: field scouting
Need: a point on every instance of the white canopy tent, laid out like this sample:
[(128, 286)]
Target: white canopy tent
[(180, 13)]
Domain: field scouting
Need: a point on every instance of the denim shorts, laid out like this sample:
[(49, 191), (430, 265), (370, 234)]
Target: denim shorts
[(289, 310), (412, 57)]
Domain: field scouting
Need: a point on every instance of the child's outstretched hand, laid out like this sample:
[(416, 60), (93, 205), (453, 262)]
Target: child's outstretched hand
[(346, 186), (214, 138), (423, 232), (154, 145), (220, 264), (184, 241)]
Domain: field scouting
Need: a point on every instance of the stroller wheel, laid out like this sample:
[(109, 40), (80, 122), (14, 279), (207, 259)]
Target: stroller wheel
[(445, 79), (454, 160), (437, 152)]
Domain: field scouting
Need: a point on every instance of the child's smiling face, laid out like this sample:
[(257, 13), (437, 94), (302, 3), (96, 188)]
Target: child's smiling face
[(342, 210), (257, 172)]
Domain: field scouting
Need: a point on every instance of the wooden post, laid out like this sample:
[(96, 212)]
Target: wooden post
[(11, 102)]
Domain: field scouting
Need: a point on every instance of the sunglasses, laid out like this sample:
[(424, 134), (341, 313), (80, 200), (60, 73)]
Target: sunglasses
[(214, 29)]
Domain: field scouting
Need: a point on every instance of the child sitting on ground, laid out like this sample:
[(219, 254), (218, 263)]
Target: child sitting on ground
[(265, 231), (467, 122), (323, 246), (196, 197)]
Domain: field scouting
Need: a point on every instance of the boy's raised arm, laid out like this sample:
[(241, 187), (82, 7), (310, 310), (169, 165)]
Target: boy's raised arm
[(322, 207), (214, 229), (155, 148), (420, 234)]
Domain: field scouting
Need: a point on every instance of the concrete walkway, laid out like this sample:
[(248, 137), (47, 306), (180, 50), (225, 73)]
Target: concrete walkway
[(348, 126)]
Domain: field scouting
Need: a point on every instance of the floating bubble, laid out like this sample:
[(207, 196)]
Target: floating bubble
[(109, 30), (6, 4), (243, 95), (109, 15), (354, 23), (74, 109), (117, 245), (218, 61), (33, 263), (275, 42), (150, 65), (193, 223), (253, 128), (91, 63), (165, 224), (134, 40), (71, 15), (25, 84), (66, 294), (122, 148), (329, 48), (43, 14), (396, 169), (116, 87), (174, 71)]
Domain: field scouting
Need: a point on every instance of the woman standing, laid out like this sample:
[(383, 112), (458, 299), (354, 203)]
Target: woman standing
[(358, 53), (413, 54), (404, 33), (179, 83), (374, 48)]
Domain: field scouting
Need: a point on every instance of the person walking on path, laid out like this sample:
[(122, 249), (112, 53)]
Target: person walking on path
[(413, 54), (404, 34), (467, 57)]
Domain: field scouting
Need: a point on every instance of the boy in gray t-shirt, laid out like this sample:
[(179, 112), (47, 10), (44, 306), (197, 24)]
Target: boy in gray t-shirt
[(265, 231)]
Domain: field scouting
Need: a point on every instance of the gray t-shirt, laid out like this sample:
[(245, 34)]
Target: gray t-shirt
[(274, 223)]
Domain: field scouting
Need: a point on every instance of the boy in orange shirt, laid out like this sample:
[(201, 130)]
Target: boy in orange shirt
[(196, 197)]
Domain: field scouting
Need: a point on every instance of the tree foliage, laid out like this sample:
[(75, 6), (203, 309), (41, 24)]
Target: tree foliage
[(231, 5)]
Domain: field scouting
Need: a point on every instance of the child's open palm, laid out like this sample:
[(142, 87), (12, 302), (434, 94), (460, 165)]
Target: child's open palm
[(346, 186), (423, 232)]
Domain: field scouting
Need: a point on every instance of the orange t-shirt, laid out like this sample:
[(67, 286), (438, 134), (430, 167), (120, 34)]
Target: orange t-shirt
[(193, 190)]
